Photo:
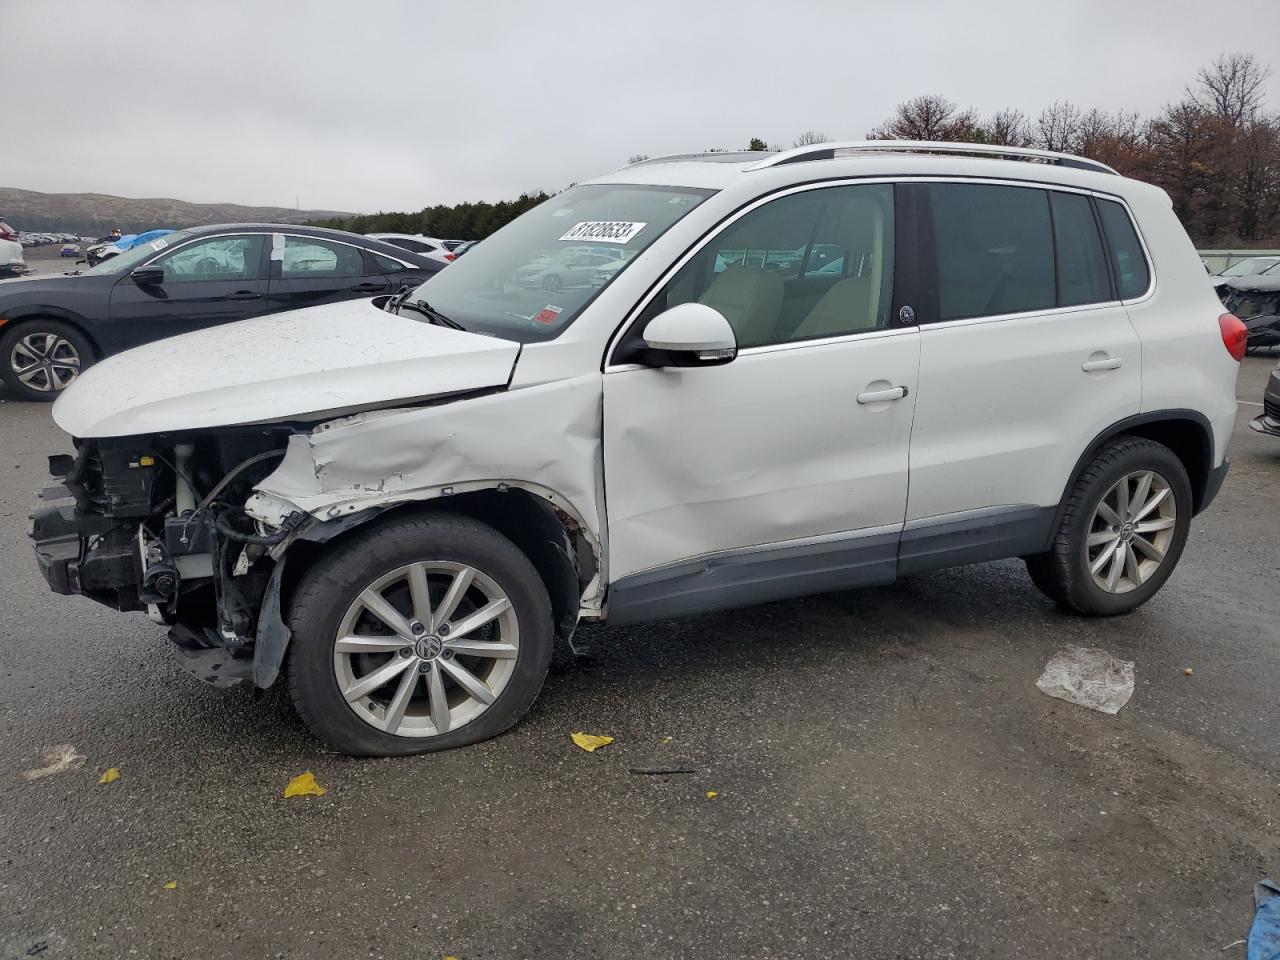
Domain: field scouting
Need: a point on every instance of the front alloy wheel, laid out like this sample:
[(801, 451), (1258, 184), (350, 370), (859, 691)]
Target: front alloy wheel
[(419, 632), (426, 648)]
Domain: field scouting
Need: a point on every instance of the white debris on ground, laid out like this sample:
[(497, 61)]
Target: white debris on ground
[(1089, 677), (59, 758)]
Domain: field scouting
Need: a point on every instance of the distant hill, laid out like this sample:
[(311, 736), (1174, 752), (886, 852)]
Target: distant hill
[(97, 213)]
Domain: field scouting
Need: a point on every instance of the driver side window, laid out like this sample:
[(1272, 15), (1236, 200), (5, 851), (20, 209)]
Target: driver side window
[(218, 258), (805, 266)]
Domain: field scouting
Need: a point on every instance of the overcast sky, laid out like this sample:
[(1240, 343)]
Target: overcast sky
[(369, 105)]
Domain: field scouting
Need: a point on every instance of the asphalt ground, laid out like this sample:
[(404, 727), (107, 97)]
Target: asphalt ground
[(889, 781)]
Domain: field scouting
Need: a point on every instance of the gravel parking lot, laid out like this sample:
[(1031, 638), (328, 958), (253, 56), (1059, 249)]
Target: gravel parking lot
[(889, 781)]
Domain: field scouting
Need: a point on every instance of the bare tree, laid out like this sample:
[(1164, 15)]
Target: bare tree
[(637, 158), (1058, 127), (927, 117), (811, 137), (1232, 87), (1008, 128)]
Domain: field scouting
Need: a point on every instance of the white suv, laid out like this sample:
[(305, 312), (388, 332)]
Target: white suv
[(813, 370)]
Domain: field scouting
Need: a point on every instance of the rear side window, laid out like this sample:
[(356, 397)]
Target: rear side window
[(387, 265), (1082, 265), (1133, 276), (994, 249)]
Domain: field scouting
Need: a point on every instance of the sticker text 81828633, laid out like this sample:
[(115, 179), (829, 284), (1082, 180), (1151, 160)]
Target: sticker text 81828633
[(603, 231)]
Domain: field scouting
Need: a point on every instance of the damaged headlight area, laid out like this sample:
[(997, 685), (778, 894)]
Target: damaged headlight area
[(157, 523)]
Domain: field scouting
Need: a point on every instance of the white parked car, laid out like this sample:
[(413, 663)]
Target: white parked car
[(12, 261), (403, 507), (428, 247)]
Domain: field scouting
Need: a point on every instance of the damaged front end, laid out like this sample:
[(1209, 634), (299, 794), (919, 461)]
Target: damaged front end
[(157, 523)]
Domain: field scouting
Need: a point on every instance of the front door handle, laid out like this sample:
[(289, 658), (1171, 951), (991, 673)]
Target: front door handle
[(244, 295), (880, 396), (1110, 363), (368, 287)]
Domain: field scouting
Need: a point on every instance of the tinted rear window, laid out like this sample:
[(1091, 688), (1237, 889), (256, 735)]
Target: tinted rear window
[(994, 250), (1082, 265), (1127, 259)]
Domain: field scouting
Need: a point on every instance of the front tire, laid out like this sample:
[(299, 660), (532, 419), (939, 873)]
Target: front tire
[(1121, 533), (40, 358), (418, 634)]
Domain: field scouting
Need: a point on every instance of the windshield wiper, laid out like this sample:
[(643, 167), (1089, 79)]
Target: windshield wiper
[(401, 301)]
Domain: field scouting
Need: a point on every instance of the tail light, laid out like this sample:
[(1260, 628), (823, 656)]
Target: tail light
[(7, 232), (1235, 335), (451, 257)]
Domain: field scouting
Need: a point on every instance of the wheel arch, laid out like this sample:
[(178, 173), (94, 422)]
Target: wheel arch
[(564, 558), (23, 316), (1187, 433)]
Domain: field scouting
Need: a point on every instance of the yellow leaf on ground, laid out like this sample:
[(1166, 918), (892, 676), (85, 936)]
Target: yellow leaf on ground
[(711, 794), (111, 776), (171, 885), (590, 742), (304, 785)]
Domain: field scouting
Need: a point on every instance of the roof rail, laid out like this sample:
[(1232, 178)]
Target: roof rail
[(827, 151)]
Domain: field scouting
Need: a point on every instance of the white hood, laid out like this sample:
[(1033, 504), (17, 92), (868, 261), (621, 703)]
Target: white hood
[(288, 366)]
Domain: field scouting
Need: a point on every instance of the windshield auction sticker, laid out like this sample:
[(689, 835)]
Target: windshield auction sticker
[(603, 231)]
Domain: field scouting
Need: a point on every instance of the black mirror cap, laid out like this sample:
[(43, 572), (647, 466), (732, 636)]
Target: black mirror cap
[(148, 276)]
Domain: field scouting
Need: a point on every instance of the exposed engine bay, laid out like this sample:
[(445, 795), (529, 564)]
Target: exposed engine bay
[(157, 523)]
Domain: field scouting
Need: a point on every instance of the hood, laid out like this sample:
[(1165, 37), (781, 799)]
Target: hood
[(1258, 283), (299, 365)]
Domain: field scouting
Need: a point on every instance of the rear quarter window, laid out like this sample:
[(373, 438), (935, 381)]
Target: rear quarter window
[(1128, 262)]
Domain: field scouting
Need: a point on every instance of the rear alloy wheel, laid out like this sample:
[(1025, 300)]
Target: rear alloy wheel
[(1121, 532), (418, 634), (42, 358)]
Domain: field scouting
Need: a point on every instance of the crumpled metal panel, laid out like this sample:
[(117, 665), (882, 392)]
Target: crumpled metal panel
[(545, 439)]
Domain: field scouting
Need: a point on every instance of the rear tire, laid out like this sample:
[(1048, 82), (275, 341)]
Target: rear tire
[(447, 684), (1121, 533), (40, 358)]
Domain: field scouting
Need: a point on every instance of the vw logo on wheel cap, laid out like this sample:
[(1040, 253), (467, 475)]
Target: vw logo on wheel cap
[(428, 648)]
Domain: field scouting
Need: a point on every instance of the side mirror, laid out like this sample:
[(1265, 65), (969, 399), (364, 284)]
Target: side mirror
[(148, 276), (692, 335)]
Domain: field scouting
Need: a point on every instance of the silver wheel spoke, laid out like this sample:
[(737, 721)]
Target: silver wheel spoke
[(1143, 489), (377, 604), (1109, 515), (472, 621), (421, 596), (1117, 565), (1156, 499), (480, 648), (373, 680), (1122, 497), (404, 693), (1104, 555), (1101, 537), (1154, 526), (439, 702), (369, 644), (468, 681), (1131, 564), (457, 589), (1147, 547)]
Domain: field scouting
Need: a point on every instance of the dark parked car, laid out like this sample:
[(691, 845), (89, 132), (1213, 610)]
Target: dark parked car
[(1256, 301), (1269, 420), (51, 328)]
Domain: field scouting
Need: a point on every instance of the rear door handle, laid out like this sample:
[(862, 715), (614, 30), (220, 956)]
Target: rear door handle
[(244, 295), (1110, 363), (368, 287), (880, 396)]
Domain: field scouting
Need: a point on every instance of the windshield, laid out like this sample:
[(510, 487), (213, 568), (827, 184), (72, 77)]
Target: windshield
[(124, 262), (532, 278)]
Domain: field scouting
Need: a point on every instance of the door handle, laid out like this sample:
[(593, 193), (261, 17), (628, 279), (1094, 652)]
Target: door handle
[(880, 396), (367, 287), (244, 295), (1110, 363)]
